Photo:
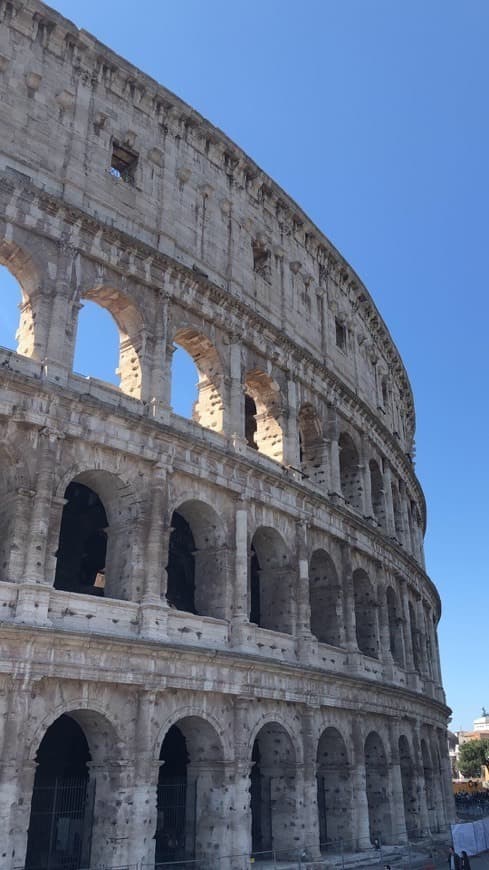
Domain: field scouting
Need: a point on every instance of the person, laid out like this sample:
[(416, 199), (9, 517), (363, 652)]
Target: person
[(464, 861), (453, 860)]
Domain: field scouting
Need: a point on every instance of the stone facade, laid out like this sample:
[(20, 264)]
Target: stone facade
[(246, 588)]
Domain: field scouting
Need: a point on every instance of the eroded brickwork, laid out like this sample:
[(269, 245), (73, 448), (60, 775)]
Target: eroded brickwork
[(234, 607)]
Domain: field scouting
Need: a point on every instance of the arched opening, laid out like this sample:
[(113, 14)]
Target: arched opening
[(273, 791), (12, 298), (13, 492), (270, 583), (82, 548), (334, 792), (18, 281), (409, 793), (60, 824), (395, 626), (205, 401), (267, 437), (97, 345), (429, 788), (438, 784), (377, 490), (94, 552), (111, 336), (365, 614), (415, 638), (198, 561), (325, 599), (184, 383), (312, 452), (191, 820), (350, 479), (377, 784)]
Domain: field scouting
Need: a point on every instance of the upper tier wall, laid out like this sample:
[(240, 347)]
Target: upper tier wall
[(193, 196)]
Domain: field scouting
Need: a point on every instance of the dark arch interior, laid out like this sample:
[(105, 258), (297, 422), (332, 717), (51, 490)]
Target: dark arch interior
[(254, 587), (82, 544), (261, 838), (181, 565), (60, 821), (250, 421), (172, 830)]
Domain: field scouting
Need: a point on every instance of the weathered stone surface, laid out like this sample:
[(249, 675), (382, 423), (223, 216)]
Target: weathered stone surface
[(301, 657)]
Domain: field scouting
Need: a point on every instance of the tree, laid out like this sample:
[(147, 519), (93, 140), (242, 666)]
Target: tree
[(472, 756)]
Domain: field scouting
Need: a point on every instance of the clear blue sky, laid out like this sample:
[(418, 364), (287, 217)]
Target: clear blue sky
[(374, 116)]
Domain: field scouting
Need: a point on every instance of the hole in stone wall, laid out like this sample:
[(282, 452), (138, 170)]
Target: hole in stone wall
[(184, 384), (172, 798), (97, 344), (250, 422), (10, 299), (82, 547), (123, 163), (181, 565)]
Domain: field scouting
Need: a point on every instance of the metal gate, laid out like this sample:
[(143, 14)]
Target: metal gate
[(175, 832), (60, 828)]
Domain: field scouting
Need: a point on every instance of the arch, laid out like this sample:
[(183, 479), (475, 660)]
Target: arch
[(377, 785), (429, 786), (191, 810), (325, 599), (377, 490), (97, 536), (22, 270), (367, 631), (61, 819), (273, 789), (334, 791), (96, 327), (208, 410), (130, 325), (409, 791), (198, 561), (395, 626), (350, 478), (311, 445), (271, 588), (266, 409)]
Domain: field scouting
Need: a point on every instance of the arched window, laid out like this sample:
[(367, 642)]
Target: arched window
[(273, 790), (191, 818), (263, 427), (99, 336), (334, 793), (271, 589), (11, 298), (97, 344), (409, 790), (351, 485), (198, 566), (365, 614), (200, 398), (377, 490), (377, 783), (312, 452), (325, 599)]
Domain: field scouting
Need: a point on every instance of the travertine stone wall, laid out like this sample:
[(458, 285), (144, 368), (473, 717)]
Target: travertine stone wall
[(313, 643)]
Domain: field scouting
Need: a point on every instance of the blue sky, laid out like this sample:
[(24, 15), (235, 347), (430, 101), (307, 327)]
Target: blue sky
[(373, 115)]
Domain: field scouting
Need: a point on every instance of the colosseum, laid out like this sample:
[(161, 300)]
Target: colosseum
[(218, 637)]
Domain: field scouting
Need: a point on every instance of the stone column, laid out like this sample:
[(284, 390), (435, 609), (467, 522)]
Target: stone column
[(368, 510), (308, 806), (154, 605), (360, 812), (334, 466), (303, 612), (22, 508), (396, 793), (213, 799), (408, 643), (389, 504), (349, 619), (423, 664), (240, 602), (384, 627), (424, 818), (291, 442), (240, 811), (235, 422), (17, 774), (157, 390), (63, 309)]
